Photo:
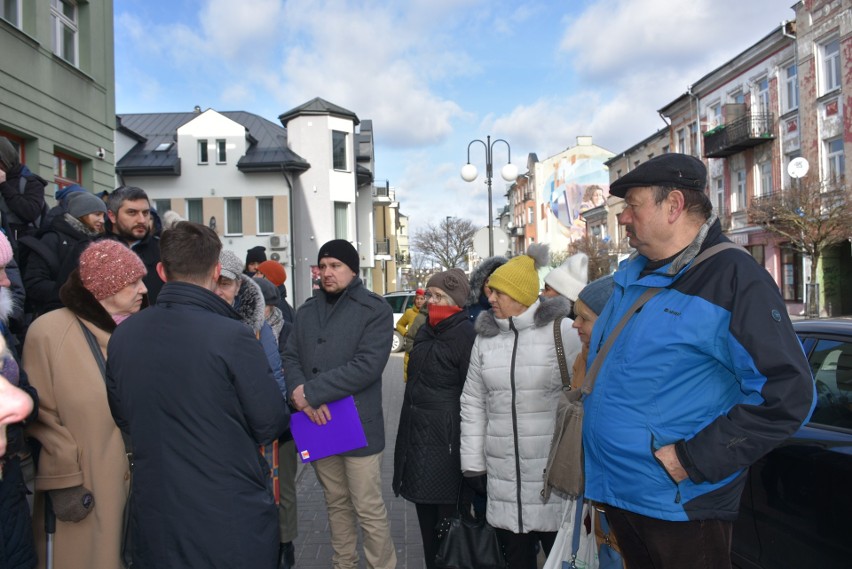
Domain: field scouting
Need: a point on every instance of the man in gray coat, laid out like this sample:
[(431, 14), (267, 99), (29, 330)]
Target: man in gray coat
[(339, 346)]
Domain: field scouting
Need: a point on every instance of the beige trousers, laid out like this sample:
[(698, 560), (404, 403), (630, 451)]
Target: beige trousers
[(353, 486)]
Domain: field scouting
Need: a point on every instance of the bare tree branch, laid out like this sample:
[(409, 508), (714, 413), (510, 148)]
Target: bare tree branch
[(811, 215), (447, 243)]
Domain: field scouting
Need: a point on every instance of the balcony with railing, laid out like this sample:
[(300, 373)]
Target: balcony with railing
[(747, 131)]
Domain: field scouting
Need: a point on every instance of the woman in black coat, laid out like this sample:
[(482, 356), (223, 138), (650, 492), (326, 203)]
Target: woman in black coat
[(427, 468)]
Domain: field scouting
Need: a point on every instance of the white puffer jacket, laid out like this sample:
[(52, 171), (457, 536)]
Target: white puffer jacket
[(508, 411)]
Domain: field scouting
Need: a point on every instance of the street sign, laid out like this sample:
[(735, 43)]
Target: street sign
[(798, 167), (480, 242)]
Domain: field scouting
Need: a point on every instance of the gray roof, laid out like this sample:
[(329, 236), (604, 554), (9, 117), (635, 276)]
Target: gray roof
[(318, 106), (267, 150)]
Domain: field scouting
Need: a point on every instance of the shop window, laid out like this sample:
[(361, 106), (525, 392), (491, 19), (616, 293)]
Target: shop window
[(791, 275)]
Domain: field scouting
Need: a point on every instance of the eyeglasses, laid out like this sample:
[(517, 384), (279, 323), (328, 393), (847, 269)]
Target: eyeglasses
[(436, 295)]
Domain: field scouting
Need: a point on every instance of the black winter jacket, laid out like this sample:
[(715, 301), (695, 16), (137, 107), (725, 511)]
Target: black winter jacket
[(190, 384), (427, 467), (45, 273)]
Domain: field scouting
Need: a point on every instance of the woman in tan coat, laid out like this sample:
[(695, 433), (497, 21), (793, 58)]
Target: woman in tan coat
[(83, 465)]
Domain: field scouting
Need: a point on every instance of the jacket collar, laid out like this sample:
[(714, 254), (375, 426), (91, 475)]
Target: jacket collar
[(188, 294), (540, 313)]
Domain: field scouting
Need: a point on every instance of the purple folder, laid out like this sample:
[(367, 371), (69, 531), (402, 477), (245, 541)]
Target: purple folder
[(343, 433)]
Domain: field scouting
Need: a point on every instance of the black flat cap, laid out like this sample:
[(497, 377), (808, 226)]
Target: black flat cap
[(670, 170)]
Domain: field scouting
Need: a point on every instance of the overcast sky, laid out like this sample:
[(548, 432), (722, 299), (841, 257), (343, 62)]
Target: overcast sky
[(435, 74)]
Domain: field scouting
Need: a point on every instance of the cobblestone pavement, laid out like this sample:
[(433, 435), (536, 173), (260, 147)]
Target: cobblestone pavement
[(313, 547)]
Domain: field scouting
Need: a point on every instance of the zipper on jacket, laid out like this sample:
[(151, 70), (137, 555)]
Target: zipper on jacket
[(515, 427), (666, 471)]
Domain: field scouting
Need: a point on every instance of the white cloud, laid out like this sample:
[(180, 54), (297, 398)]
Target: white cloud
[(614, 37)]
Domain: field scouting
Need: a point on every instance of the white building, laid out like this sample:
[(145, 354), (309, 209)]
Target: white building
[(288, 189)]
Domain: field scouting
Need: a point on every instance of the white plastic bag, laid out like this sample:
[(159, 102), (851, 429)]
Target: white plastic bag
[(562, 554)]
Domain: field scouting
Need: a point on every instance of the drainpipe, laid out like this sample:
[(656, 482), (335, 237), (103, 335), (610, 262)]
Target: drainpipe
[(292, 248)]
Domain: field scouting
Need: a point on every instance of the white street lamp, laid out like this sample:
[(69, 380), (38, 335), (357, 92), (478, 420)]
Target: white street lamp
[(509, 172)]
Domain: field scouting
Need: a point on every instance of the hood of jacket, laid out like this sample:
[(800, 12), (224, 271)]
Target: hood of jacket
[(8, 155), (480, 274), (249, 303), (539, 314)]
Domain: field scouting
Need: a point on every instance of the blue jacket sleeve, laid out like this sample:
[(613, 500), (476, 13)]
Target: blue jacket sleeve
[(273, 356)]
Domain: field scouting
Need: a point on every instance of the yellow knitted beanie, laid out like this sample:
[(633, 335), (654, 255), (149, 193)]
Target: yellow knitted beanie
[(518, 277)]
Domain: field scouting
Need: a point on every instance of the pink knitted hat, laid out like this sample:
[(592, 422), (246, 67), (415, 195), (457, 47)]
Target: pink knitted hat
[(107, 266), (5, 250)]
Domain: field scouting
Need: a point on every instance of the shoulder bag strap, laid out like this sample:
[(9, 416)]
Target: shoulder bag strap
[(589, 382), (95, 347), (560, 351), (99, 358)]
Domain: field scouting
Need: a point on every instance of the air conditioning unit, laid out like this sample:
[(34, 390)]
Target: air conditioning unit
[(279, 242), (275, 256)]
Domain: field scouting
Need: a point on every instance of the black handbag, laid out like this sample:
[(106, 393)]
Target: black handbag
[(468, 543)]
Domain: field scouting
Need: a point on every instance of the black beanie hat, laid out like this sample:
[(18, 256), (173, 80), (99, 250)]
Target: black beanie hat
[(341, 250), (256, 255)]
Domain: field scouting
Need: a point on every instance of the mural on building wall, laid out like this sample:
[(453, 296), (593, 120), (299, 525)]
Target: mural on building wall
[(576, 184)]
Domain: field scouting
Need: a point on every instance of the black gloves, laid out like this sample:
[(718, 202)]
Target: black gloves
[(72, 504), (478, 483)]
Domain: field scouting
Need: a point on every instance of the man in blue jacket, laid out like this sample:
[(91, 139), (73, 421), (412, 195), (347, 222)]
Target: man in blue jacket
[(704, 379)]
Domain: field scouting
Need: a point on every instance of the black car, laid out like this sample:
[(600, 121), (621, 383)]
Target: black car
[(796, 509)]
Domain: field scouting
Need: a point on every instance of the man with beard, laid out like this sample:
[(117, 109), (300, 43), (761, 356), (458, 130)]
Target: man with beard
[(51, 257), (129, 212)]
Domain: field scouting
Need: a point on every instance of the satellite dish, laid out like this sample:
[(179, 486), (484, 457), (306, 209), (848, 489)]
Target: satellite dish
[(480, 242), (798, 167)]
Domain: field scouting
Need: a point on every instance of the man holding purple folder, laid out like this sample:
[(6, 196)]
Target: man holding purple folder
[(339, 347)]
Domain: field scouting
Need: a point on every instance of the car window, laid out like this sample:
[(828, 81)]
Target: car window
[(831, 363), (397, 302)]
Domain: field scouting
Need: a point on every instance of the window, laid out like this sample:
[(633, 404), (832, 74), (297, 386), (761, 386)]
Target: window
[(791, 274), (763, 95), (715, 115), (791, 87), (265, 223), (63, 15), (758, 252), (341, 220), (719, 187), (10, 10), (233, 216), (18, 143), (835, 161), (831, 65), (681, 141), (665, 149), (739, 197), (831, 364), (338, 150), (66, 170), (530, 215), (162, 206), (765, 187), (202, 152), (194, 211), (164, 147), (737, 97), (221, 152)]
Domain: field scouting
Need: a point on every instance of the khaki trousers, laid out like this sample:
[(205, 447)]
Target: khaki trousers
[(353, 486)]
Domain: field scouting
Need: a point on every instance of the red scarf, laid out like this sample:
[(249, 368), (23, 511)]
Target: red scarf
[(439, 312)]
